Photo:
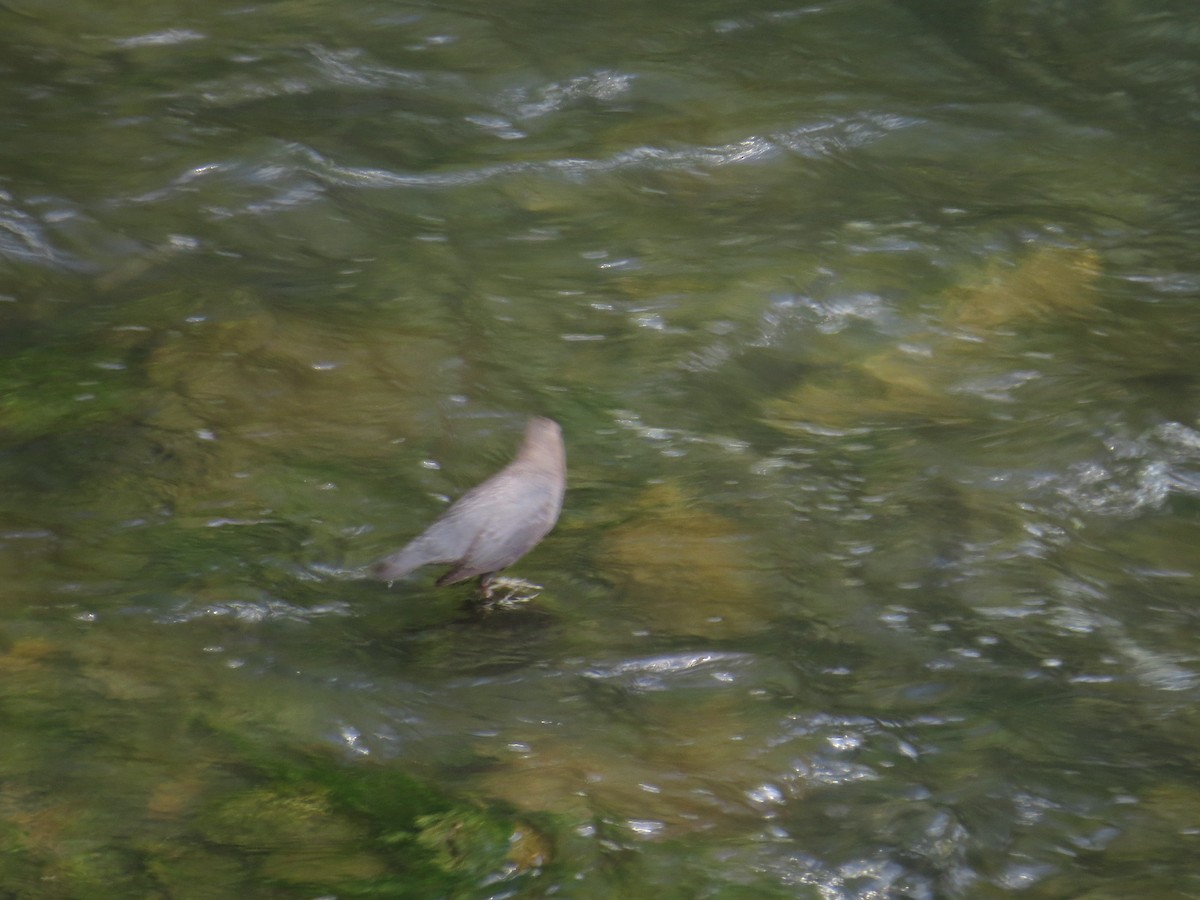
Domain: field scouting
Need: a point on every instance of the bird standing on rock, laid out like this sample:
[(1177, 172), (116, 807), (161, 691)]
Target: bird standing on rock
[(497, 522)]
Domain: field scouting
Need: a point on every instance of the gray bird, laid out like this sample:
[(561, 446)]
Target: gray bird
[(497, 522)]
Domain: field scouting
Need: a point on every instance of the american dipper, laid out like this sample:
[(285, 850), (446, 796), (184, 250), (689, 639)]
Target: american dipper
[(497, 522)]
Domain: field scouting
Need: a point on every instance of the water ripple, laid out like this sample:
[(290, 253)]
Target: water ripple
[(658, 673), (1136, 473), (160, 38), (604, 85)]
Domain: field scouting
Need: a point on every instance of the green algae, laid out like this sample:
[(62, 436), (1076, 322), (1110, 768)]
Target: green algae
[(250, 812)]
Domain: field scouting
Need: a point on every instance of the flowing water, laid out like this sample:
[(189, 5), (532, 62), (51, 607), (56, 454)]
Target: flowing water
[(871, 327)]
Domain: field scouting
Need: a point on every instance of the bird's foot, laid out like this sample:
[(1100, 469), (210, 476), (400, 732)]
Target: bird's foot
[(505, 593)]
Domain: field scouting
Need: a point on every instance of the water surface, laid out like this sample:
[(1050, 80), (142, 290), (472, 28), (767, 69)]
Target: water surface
[(871, 326)]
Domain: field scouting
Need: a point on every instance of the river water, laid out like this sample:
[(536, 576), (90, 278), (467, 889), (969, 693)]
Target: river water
[(871, 327)]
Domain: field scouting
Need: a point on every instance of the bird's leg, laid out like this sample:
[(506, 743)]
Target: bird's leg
[(484, 591)]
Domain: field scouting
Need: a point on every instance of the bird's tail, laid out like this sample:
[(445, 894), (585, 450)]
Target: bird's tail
[(399, 564)]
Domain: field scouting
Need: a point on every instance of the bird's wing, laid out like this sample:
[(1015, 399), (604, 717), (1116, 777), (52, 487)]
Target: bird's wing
[(445, 541), (502, 540)]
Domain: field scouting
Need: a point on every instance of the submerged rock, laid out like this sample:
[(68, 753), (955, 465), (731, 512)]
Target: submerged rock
[(937, 376), (684, 568)]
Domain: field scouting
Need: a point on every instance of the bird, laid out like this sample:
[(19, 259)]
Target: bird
[(496, 522)]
